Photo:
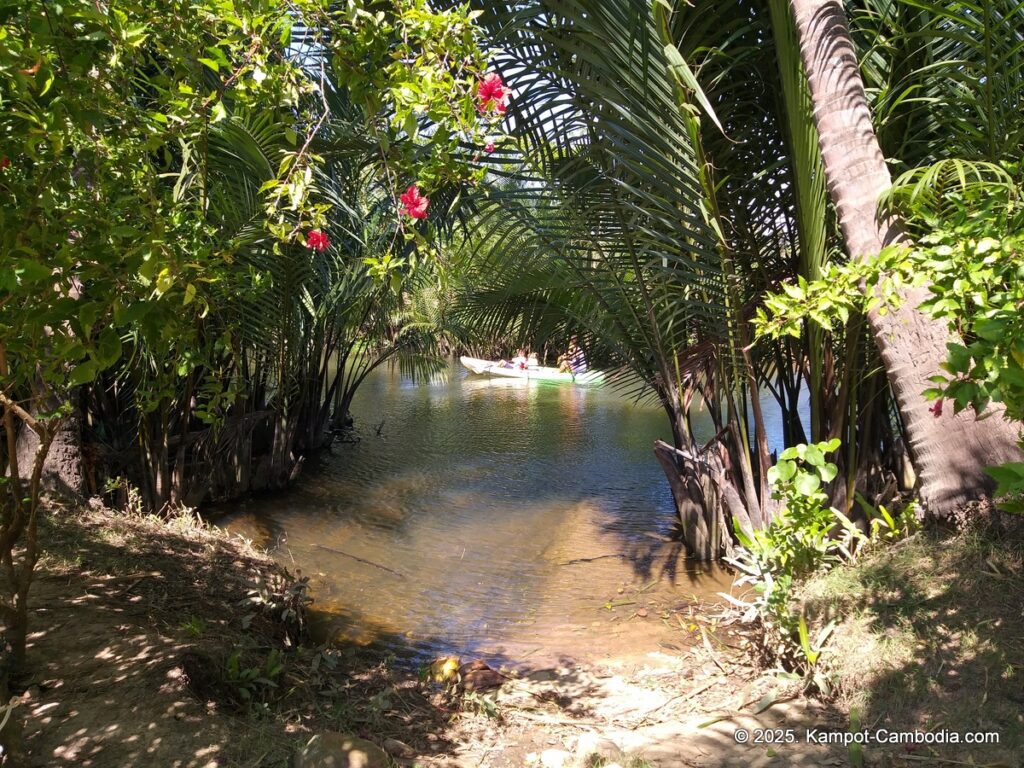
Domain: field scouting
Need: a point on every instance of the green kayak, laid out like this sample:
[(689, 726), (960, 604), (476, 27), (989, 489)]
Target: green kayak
[(531, 373)]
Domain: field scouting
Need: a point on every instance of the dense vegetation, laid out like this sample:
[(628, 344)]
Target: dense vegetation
[(217, 218), (202, 222)]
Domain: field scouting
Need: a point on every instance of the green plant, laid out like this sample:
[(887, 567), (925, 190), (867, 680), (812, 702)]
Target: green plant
[(255, 684), (195, 625), (855, 750), (284, 601), (969, 220), (807, 535), (481, 704), (887, 526), (812, 652)]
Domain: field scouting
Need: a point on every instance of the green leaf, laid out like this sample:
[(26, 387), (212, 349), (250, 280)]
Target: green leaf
[(83, 373), (986, 244), (684, 76), (806, 483), (783, 471), (32, 271), (1009, 476), (814, 456), (108, 350), (958, 358)]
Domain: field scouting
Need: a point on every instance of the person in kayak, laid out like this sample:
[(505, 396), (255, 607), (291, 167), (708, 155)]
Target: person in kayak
[(573, 361), (519, 362)]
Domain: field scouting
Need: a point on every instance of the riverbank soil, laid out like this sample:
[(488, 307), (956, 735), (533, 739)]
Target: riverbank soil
[(160, 643), (931, 638)]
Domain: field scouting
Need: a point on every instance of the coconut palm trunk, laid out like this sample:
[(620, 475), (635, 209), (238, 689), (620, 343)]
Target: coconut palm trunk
[(949, 451)]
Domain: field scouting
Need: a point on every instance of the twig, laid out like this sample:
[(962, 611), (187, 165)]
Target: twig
[(551, 720), (684, 696), (132, 586), (588, 559), (361, 560), (710, 650)]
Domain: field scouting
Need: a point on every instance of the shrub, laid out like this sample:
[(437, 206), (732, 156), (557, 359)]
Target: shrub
[(806, 536)]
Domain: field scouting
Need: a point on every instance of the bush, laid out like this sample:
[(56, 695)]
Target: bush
[(807, 536)]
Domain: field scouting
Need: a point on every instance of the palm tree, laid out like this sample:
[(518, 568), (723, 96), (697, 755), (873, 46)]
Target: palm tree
[(950, 451), (651, 214)]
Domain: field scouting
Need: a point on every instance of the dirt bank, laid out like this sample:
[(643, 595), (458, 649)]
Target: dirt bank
[(171, 644), (162, 644)]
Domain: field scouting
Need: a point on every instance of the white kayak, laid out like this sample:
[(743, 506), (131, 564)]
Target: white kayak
[(530, 373)]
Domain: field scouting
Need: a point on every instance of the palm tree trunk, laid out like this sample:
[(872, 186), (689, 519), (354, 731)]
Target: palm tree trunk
[(949, 451)]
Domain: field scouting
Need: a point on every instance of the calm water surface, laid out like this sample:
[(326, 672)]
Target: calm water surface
[(487, 517)]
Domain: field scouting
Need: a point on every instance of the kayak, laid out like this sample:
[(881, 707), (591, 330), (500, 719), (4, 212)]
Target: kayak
[(532, 373)]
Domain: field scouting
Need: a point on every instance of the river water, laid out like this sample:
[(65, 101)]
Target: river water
[(496, 518)]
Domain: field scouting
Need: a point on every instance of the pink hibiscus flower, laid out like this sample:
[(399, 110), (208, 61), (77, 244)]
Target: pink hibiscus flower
[(492, 93), (317, 240), (415, 204)]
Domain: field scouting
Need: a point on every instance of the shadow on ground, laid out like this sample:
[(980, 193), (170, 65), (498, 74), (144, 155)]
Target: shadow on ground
[(933, 640), (147, 649), (156, 644)]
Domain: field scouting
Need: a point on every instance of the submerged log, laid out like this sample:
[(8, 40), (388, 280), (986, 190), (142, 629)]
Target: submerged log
[(363, 560)]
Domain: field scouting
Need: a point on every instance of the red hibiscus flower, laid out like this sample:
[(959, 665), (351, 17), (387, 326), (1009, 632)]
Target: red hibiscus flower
[(936, 409), (5, 161), (492, 93), (317, 240), (414, 203), (489, 148)]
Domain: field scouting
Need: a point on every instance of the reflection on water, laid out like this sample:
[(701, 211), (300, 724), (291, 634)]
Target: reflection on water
[(488, 516)]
